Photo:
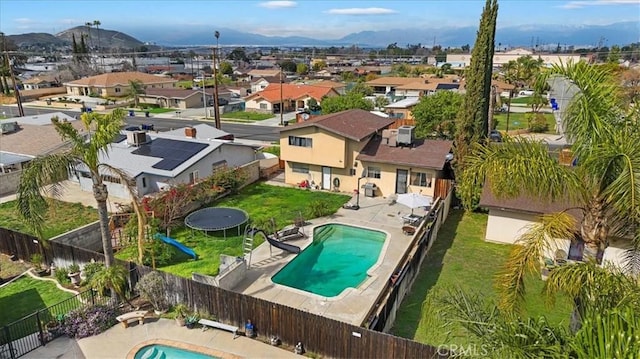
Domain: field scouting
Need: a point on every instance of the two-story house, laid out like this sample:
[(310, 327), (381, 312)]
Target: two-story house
[(353, 148)]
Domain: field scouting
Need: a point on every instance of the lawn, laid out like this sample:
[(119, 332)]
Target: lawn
[(62, 217), (247, 116), (461, 258), (9, 268), (518, 121), (27, 295), (262, 202)]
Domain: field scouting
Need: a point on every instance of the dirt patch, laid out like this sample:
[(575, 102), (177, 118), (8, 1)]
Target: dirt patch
[(10, 269)]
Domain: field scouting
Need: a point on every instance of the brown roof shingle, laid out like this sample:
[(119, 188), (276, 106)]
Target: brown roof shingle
[(423, 153), (522, 203), (353, 124)]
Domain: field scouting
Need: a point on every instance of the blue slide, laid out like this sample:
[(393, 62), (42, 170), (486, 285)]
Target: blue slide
[(184, 249)]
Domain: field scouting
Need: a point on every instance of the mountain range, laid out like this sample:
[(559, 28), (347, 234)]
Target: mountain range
[(622, 33)]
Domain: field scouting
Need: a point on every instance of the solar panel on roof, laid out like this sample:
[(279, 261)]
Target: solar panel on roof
[(119, 138), (172, 152)]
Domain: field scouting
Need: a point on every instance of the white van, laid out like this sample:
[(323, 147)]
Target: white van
[(526, 93)]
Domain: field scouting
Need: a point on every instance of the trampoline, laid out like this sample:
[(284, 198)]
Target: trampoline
[(216, 219)]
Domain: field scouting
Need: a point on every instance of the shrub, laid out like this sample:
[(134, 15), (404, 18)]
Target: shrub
[(62, 275), (87, 321), (151, 288), (92, 268), (538, 124), (74, 268)]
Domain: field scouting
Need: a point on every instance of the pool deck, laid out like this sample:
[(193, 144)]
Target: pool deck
[(352, 305), (118, 342)]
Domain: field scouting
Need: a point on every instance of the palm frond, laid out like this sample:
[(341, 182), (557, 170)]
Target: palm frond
[(609, 334), (42, 173), (526, 255)]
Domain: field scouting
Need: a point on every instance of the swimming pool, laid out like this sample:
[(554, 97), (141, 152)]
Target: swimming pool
[(338, 258), (155, 351)]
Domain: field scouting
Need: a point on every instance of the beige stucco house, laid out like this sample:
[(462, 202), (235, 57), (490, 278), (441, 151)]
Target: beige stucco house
[(353, 148), (116, 84), (509, 218), (293, 96), (501, 58)]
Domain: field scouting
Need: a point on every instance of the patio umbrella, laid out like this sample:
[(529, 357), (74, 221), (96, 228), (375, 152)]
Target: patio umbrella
[(414, 200)]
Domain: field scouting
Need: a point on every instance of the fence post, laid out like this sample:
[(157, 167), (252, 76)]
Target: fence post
[(93, 301), (41, 335)]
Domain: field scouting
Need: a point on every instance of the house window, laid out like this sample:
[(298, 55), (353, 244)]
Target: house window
[(300, 141), (373, 172), (352, 172), (193, 177), (263, 106), (299, 168), (420, 179), (176, 102), (144, 182), (117, 90)]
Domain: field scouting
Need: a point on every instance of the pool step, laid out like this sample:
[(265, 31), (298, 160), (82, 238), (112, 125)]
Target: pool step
[(323, 233), (154, 353)]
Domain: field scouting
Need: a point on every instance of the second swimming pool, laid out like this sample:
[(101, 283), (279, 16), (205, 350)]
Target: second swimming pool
[(338, 258)]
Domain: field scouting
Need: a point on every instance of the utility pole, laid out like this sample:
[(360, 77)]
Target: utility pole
[(216, 103), (281, 101), (9, 62)]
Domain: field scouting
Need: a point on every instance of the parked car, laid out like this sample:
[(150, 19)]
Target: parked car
[(526, 93), (143, 127)]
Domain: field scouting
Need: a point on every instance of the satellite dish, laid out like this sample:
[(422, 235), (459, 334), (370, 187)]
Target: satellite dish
[(305, 116)]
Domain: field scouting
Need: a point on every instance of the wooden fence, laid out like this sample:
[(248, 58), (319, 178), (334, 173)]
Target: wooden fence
[(320, 335)]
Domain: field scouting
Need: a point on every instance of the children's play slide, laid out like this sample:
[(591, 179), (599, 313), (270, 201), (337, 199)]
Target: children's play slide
[(184, 249)]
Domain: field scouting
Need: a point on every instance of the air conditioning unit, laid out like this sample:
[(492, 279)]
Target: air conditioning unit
[(8, 127), (405, 135), (136, 138)]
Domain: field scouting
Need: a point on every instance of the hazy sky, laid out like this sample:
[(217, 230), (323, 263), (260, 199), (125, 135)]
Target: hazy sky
[(319, 19)]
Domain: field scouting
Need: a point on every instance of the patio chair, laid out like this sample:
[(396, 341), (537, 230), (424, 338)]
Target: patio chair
[(289, 233)]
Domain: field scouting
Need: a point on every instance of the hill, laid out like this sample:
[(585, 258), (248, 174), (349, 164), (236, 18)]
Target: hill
[(105, 39)]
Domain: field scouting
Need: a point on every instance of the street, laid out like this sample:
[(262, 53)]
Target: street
[(239, 130)]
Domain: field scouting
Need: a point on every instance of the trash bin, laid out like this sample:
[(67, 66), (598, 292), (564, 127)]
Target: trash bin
[(131, 113), (146, 114), (370, 189)]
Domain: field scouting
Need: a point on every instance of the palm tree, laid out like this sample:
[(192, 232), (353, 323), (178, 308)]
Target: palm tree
[(610, 326), (136, 88), (604, 186), (52, 168), (113, 278)]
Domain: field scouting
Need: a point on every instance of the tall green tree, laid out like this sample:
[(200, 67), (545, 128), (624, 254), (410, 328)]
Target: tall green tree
[(436, 114), (473, 122), (45, 172), (604, 185)]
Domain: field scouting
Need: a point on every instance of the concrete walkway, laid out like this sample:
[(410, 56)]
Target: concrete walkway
[(118, 342)]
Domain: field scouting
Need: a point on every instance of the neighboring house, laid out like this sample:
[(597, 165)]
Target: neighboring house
[(182, 98), (260, 83), (40, 82), (338, 151), (402, 109), (340, 87), (509, 218), (413, 86), (158, 160), (116, 84), (292, 96), (24, 138), (202, 132), (256, 73)]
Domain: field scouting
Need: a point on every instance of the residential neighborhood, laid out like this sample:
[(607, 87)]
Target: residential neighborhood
[(298, 178)]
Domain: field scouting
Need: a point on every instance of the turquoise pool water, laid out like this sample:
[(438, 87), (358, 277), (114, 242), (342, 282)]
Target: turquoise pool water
[(156, 351), (338, 258)]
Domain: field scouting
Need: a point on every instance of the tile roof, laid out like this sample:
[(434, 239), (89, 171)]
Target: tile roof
[(424, 153), (292, 91), (171, 93), (267, 72), (522, 203), (111, 79), (353, 124)]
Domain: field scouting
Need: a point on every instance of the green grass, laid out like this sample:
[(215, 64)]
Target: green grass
[(27, 295), (519, 100), (61, 218), (262, 202), (247, 116), (517, 121), (461, 258), (9, 268)]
